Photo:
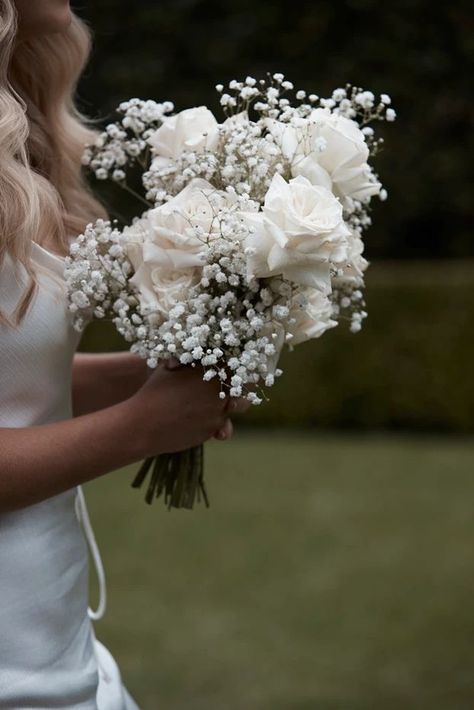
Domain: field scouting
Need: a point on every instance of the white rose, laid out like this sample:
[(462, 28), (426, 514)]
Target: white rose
[(164, 249), (236, 120), (194, 129), (353, 269), (292, 138), (300, 234), (313, 313), (330, 151), (159, 281), (171, 227), (160, 289)]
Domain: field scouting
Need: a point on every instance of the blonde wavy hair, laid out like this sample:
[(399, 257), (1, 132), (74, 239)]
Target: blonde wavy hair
[(43, 195)]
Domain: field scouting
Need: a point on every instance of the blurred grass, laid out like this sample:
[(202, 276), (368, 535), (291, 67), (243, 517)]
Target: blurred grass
[(330, 573)]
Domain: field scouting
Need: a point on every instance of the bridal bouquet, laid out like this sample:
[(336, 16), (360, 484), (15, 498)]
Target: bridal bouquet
[(251, 238)]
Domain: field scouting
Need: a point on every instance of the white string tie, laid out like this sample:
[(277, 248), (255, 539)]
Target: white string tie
[(83, 517)]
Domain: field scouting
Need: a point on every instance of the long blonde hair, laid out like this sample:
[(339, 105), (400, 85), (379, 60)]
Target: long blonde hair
[(43, 195)]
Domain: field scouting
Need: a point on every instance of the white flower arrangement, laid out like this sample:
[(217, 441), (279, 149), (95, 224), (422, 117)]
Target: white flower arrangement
[(252, 236)]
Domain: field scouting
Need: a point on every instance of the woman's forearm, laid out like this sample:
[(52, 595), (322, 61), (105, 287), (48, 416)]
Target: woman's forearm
[(41, 461), (103, 379), (174, 410)]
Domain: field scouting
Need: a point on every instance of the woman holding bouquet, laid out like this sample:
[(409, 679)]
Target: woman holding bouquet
[(65, 418)]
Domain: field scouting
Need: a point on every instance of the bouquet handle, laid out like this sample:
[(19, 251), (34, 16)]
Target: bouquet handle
[(177, 477)]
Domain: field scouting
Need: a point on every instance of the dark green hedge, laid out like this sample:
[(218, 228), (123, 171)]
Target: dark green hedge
[(410, 368), (418, 51)]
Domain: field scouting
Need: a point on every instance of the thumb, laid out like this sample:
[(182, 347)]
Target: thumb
[(172, 363)]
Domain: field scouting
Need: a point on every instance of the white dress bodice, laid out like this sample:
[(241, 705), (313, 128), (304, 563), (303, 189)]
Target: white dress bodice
[(49, 656)]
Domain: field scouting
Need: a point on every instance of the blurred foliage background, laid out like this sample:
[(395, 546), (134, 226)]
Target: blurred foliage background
[(417, 51), (334, 568), (409, 368)]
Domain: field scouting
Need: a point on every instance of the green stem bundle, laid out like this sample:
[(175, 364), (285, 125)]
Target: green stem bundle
[(177, 477)]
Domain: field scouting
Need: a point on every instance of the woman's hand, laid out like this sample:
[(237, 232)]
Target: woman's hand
[(175, 409), (103, 379), (234, 405), (171, 411)]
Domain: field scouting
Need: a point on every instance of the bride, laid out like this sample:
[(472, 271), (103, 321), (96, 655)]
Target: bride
[(65, 418)]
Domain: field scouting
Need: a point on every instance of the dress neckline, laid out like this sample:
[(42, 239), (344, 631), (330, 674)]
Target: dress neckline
[(48, 259), (51, 253)]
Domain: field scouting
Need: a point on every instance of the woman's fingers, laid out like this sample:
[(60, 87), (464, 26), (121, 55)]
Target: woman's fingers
[(172, 363), (237, 405), (225, 432)]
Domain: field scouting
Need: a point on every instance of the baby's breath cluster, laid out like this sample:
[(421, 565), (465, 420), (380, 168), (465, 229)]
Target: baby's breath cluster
[(272, 98), (124, 141), (267, 97), (96, 273), (249, 158), (245, 157), (349, 305), (162, 181)]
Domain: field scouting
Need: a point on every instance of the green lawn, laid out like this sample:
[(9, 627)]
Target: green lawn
[(331, 573)]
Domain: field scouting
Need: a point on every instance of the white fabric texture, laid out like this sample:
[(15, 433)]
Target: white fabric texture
[(49, 656)]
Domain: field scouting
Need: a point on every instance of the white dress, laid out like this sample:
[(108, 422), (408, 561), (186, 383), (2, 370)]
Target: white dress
[(49, 656)]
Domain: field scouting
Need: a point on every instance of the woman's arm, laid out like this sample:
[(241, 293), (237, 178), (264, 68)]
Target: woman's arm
[(172, 411), (103, 379), (41, 461)]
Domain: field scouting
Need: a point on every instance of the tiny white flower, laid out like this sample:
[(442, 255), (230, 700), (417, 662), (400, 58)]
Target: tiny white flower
[(209, 374), (339, 94)]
